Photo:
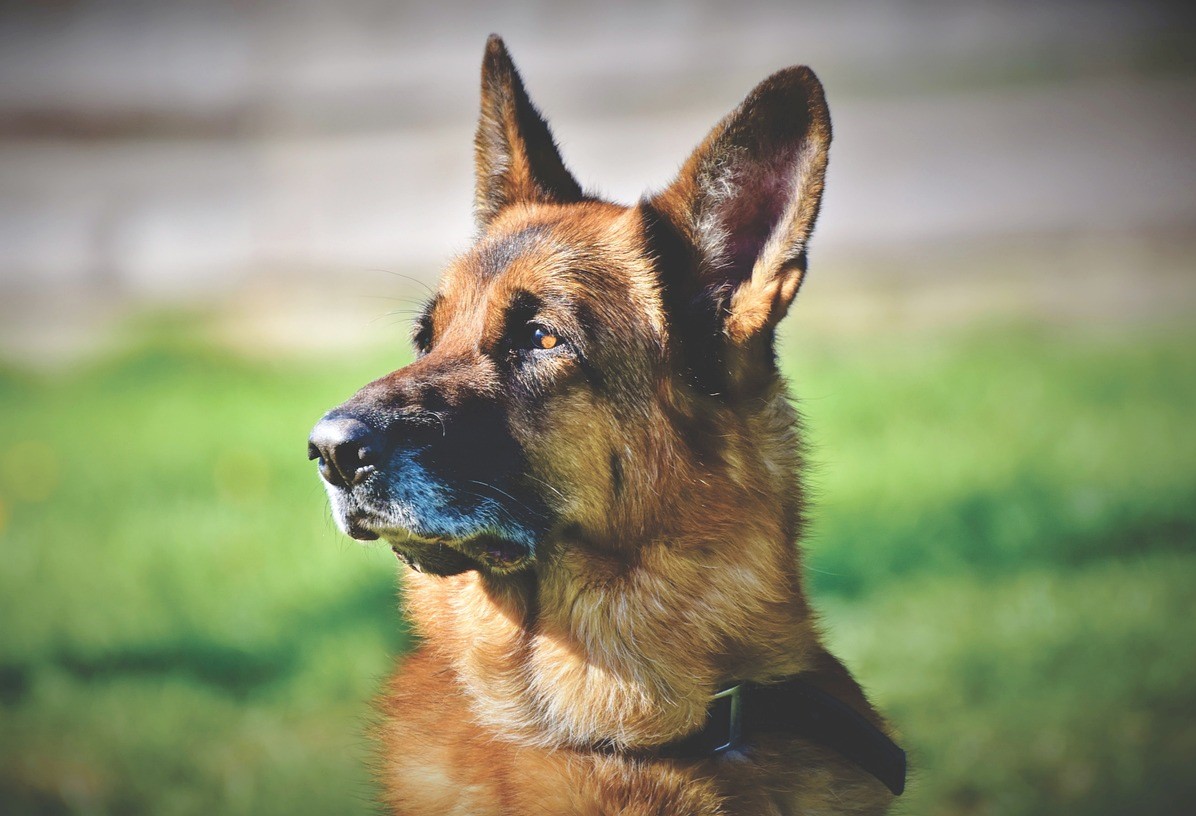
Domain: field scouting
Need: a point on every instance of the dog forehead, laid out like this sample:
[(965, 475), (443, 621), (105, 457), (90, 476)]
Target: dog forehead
[(573, 252)]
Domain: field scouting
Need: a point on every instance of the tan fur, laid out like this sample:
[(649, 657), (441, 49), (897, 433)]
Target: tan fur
[(672, 568)]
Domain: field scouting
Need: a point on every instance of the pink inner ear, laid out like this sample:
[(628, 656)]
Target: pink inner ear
[(750, 209)]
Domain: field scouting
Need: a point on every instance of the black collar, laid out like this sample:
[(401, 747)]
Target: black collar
[(799, 709)]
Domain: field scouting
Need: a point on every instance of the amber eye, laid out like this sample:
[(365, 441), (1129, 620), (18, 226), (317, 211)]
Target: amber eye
[(542, 338)]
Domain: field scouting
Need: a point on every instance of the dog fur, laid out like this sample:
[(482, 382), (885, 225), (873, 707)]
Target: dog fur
[(601, 534)]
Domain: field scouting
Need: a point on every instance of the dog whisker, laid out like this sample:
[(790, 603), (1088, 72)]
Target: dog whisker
[(503, 493), (538, 480), (414, 280)]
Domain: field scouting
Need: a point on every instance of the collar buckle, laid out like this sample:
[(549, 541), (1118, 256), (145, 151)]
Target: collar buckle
[(730, 700)]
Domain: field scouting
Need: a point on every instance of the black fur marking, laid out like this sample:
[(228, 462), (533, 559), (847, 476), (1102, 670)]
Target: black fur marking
[(522, 309), (497, 253), (593, 335), (472, 452), (616, 474), (695, 315), (424, 334)]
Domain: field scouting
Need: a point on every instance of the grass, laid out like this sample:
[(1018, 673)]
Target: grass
[(1002, 546)]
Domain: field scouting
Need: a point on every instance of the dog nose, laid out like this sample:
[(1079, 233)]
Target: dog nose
[(347, 448)]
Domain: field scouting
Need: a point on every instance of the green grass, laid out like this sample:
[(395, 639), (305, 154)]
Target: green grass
[(1002, 546)]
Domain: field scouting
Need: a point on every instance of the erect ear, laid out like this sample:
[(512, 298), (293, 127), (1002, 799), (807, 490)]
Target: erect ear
[(746, 200), (516, 159)]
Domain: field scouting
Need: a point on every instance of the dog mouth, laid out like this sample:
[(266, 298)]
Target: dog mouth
[(501, 554), (444, 555), (355, 528), (433, 559), (485, 552)]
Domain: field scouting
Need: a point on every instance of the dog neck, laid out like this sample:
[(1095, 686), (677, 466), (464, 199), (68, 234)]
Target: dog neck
[(623, 642), (562, 658)]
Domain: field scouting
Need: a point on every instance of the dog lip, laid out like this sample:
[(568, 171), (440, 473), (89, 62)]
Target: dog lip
[(500, 552), (357, 525), (488, 552), (433, 557), (355, 530)]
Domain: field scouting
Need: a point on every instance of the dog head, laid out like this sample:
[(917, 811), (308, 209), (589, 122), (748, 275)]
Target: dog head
[(587, 370)]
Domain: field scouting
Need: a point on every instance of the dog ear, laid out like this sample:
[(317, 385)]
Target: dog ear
[(746, 200), (514, 154)]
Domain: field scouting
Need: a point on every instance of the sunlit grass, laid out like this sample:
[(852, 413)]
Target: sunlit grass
[(1045, 691), (996, 451), (1002, 542)]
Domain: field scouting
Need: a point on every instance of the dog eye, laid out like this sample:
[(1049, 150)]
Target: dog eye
[(542, 338)]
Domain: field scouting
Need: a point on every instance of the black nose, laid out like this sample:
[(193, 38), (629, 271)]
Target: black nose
[(347, 448)]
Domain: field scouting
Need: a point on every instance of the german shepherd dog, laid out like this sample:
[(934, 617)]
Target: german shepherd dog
[(591, 476)]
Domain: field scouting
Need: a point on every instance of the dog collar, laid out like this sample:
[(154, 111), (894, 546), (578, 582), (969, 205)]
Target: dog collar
[(796, 708)]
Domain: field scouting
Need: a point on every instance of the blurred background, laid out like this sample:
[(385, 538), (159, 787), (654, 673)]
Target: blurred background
[(216, 220)]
